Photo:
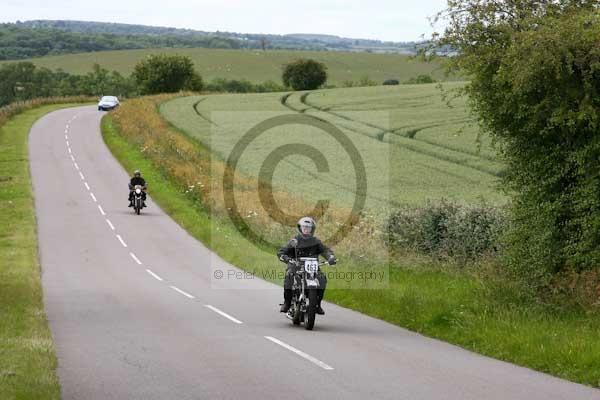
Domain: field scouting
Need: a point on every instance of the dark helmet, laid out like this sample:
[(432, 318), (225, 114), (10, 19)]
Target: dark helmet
[(137, 173), (307, 222)]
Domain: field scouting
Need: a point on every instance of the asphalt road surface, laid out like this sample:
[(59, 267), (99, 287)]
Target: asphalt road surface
[(135, 314)]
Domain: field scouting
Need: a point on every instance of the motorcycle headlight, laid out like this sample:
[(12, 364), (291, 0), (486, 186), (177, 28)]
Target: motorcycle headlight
[(138, 191)]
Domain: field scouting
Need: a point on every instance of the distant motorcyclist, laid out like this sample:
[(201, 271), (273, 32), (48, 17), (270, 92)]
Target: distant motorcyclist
[(137, 180), (304, 244)]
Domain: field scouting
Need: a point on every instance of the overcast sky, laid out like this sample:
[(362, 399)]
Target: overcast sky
[(397, 20)]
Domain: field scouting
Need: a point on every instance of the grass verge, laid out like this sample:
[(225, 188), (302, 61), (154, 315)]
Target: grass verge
[(27, 358), (489, 317)]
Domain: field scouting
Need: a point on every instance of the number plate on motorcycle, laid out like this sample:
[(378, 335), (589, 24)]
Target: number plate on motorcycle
[(311, 266), (312, 282)]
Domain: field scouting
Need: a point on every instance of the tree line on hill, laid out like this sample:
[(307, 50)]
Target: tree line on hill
[(242, 40), (19, 43)]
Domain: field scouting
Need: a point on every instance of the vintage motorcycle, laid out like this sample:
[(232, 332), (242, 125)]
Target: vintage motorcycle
[(304, 289), (138, 199)]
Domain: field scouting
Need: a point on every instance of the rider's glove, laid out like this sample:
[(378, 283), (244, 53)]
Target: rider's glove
[(295, 263), (332, 260), (285, 259)]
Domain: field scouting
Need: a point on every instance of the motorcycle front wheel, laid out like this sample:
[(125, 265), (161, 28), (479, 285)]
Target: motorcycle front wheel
[(297, 315), (311, 311)]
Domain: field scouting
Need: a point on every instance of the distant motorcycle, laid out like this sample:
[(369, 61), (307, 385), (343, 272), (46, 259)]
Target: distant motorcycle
[(304, 289), (138, 199)]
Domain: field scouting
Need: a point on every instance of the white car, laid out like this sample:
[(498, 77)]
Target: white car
[(108, 103)]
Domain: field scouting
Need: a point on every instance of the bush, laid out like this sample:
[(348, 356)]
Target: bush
[(420, 79), (389, 82), (447, 230), (12, 109), (365, 80), (304, 74), (534, 71), (242, 86)]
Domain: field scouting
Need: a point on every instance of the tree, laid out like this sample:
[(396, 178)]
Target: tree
[(534, 70), (304, 74), (16, 82), (161, 73)]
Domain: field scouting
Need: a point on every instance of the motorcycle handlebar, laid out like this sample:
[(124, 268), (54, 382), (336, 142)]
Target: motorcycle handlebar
[(297, 263)]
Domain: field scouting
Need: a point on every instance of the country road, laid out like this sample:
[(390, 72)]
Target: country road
[(134, 314)]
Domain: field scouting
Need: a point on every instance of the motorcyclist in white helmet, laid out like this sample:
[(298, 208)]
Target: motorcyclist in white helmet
[(304, 244)]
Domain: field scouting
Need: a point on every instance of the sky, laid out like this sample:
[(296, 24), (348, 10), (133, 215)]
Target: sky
[(395, 20)]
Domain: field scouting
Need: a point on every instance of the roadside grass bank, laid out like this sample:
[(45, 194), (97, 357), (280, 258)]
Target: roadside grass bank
[(479, 311), (27, 358)]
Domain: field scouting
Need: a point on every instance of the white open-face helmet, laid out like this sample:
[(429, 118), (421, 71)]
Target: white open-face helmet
[(137, 173), (307, 226)]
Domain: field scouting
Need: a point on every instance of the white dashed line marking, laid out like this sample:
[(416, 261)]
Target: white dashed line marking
[(182, 292), (86, 185), (300, 353), (135, 258), (72, 158), (68, 145), (154, 275), (101, 210), (67, 137), (229, 317), (76, 165), (81, 175), (70, 152), (120, 238), (110, 224), (93, 197)]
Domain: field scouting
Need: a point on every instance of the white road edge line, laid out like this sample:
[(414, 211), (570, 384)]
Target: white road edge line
[(72, 158), (154, 275), (137, 260), (110, 224), (93, 197), (182, 292), (81, 175), (86, 185), (121, 240), (300, 353), (229, 317), (101, 210)]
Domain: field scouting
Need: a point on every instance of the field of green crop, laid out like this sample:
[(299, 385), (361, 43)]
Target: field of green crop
[(255, 66), (413, 146)]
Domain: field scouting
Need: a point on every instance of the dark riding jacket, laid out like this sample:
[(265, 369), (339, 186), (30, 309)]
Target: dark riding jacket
[(301, 246), (137, 181)]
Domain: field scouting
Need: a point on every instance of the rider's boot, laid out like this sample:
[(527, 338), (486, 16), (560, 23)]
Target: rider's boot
[(287, 302), (319, 309)]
